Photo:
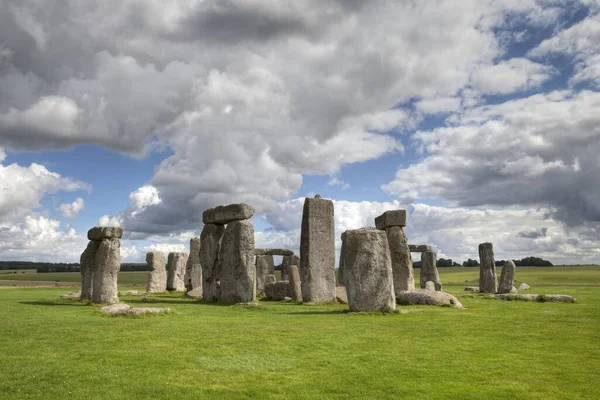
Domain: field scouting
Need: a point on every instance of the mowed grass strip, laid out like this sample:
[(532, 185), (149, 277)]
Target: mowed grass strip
[(60, 349)]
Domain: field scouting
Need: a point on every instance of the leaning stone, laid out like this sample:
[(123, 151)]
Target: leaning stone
[(176, 271), (429, 271), (368, 271), (227, 214), (236, 259), (317, 251), (210, 243), (471, 289), (194, 293), (340, 295), (193, 269), (295, 283), (428, 297), (541, 298), (86, 262), (107, 263), (487, 269), (285, 264), (273, 252), (523, 286), (402, 265), (430, 286), (71, 296), (507, 277), (105, 232), (130, 293), (419, 248), (278, 290), (157, 277), (391, 218)]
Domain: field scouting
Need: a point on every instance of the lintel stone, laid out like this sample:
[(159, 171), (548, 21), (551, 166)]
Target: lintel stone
[(391, 218)]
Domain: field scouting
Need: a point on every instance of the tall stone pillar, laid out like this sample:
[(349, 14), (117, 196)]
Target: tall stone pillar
[(86, 267), (317, 251), (488, 282), (262, 271), (429, 271), (157, 277), (236, 258), (285, 263), (176, 271), (507, 277), (210, 243), (100, 265), (193, 269), (393, 222)]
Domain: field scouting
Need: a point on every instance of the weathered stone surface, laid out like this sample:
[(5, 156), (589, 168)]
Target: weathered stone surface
[(430, 286), (541, 298), (116, 308), (341, 272), (176, 271), (273, 252), (157, 277), (368, 270), (130, 293), (107, 263), (262, 271), (402, 265), (71, 296), (125, 309), (428, 297), (523, 286), (340, 295), (147, 310), (194, 293), (507, 277), (193, 269), (147, 299), (429, 271), (278, 290), (317, 251), (270, 279), (210, 243), (419, 248), (391, 218), (227, 214), (105, 232), (86, 262), (295, 283), (472, 289), (236, 258), (487, 269), (285, 263)]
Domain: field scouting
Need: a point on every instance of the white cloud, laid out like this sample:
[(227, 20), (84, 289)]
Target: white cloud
[(146, 195), (510, 76), (581, 40), (438, 105), (587, 71), (73, 209), (335, 181)]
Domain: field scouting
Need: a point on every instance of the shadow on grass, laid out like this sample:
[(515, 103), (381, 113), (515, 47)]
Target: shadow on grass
[(323, 312), (52, 303)]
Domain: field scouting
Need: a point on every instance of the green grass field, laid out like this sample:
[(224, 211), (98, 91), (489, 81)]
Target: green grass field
[(58, 349)]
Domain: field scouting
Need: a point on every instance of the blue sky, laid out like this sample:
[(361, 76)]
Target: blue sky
[(479, 118)]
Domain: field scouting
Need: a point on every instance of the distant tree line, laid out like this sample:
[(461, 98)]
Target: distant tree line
[(524, 262), (41, 267), (441, 263)]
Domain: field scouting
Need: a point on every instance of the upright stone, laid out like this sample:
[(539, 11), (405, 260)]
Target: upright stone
[(402, 265), (487, 269), (176, 271), (193, 269), (429, 271), (506, 277), (86, 262), (107, 263), (295, 283), (157, 277), (368, 271), (236, 258), (341, 272), (262, 271), (317, 251), (210, 243), (285, 263)]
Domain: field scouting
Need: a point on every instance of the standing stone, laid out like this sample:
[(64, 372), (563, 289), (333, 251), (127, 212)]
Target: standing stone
[(295, 283), (507, 277), (368, 271), (429, 271), (262, 271), (157, 277), (341, 266), (487, 269), (285, 263), (210, 243), (402, 265), (86, 263), (193, 269), (176, 271), (107, 263), (236, 259), (317, 251)]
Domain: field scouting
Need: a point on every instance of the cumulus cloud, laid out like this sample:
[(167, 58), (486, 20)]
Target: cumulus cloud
[(73, 209), (510, 76)]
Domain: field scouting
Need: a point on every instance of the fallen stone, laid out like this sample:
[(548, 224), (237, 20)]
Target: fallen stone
[(317, 251), (125, 309), (523, 286), (541, 298), (429, 271), (340, 295), (71, 296), (402, 265), (391, 218), (287, 299), (193, 269), (146, 299), (368, 271), (176, 271), (107, 262), (419, 248), (86, 262), (273, 252), (471, 289), (105, 232), (505, 285), (236, 259), (194, 293), (488, 282), (429, 285), (210, 243), (147, 310), (157, 277), (227, 214), (130, 293), (278, 290), (295, 283), (116, 308), (428, 297)]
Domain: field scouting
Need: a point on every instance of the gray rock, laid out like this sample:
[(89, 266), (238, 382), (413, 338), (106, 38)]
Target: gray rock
[(86, 269), (146, 299), (295, 283), (194, 293), (71, 296), (523, 286), (125, 309), (210, 243), (402, 265), (341, 272), (287, 299), (428, 297), (227, 214), (507, 277), (157, 277), (278, 290), (236, 258), (429, 271), (114, 309), (285, 263), (368, 271), (430, 286), (488, 282), (340, 295), (176, 271), (107, 263), (472, 289), (391, 218), (541, 298), (130, 293), (193, 269), (147, 310), (270, 279), (419, 248), (317, 251), (262, 271), (105, 232), (273, 252)]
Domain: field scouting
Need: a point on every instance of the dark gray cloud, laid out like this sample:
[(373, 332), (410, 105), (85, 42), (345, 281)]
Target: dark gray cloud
[(533, 234)]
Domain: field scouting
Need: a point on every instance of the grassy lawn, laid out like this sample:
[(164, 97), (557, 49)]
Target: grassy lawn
[(57, 349)]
